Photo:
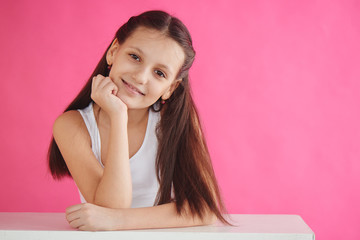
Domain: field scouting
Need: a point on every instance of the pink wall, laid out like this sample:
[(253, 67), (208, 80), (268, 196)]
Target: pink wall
[(276, 82)]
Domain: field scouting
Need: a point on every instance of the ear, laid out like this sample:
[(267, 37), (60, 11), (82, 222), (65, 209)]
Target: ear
[(110, 55), (171, 89)]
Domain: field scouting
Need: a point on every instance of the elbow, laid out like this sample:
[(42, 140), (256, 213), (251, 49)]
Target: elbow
[(210, 219), (113, 200)]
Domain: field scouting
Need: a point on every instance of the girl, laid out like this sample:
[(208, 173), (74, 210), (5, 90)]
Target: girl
[(132, 139)]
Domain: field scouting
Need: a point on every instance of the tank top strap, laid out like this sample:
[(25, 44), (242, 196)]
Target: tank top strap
[(91, 125)]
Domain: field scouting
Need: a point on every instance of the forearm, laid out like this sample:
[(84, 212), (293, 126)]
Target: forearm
[(162, 216), (115, 188), (91, 217)]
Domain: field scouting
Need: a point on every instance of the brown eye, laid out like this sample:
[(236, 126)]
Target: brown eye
[(160, 73), (134, 56)]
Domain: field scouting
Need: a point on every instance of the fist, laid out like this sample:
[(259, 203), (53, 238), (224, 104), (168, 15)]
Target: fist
[(103, 92)]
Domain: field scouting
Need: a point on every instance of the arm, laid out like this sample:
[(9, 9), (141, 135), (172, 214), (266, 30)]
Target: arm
[(111, 186), (115, 187), (166, 217), (94, 182), (94, 218)]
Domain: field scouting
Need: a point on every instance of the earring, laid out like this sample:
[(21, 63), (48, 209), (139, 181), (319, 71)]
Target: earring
[(162, 101), (109, 67)]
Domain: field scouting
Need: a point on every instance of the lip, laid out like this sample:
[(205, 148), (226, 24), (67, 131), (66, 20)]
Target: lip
[(132, 87)]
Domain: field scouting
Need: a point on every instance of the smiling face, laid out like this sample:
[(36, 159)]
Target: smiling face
[(144, 67)]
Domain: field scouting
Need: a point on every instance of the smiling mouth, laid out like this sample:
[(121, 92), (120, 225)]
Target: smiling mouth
[(132, 87)]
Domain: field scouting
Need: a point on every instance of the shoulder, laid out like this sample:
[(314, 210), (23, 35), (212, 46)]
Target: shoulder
[(69, 119), (70, 124)]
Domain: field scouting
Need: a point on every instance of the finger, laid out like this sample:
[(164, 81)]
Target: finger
[(73, 208), (96, 81), (83, 228), (86, 228), (72, 216), (103, 81), (115, 89), (76, 223), (94, 84), (110, 87)]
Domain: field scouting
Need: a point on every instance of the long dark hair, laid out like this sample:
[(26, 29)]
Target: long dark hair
[(183, 161)]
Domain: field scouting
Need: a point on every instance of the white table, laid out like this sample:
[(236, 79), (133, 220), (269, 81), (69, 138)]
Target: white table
[(249, 226)]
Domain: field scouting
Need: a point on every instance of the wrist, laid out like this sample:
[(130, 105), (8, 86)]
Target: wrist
[(119, 219), (116, 117)]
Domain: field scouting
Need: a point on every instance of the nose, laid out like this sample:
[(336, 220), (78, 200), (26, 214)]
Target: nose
[(141, 75)]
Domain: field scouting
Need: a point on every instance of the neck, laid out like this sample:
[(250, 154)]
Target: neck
[(137, 116)]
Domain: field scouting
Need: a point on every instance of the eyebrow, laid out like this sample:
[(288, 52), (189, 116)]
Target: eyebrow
[(160, 65)]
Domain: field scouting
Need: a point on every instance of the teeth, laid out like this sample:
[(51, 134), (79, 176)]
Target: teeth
[(133, 88)]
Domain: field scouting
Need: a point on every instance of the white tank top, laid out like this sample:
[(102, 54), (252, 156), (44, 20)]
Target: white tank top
[(143, 174)]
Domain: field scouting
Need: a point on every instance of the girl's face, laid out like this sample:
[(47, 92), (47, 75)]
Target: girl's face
[(144, 67)]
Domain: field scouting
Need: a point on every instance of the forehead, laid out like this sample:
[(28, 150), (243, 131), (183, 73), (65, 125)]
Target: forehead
[(157, 48)]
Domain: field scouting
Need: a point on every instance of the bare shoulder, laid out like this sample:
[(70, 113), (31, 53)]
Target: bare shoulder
[(74, 142), (70, 125)]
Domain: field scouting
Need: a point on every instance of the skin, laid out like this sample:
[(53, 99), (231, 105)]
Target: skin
[(149, 61), (140, 61)]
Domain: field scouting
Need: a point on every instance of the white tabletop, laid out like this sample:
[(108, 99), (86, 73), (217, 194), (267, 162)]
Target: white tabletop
[(248, 226)]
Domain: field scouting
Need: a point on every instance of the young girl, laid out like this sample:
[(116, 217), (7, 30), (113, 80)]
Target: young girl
[(132, 139)]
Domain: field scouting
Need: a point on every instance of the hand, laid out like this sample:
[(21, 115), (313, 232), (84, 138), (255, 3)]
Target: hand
[(90, 217), (103, 92)]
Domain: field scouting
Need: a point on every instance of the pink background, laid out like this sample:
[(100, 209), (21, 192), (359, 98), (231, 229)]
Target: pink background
[(276, 83)]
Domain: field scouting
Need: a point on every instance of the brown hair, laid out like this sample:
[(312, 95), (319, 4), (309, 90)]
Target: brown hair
[(183, 161)]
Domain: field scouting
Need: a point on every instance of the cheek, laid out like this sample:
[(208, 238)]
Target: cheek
[(163, 88), (122, 63), (154, 85)]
